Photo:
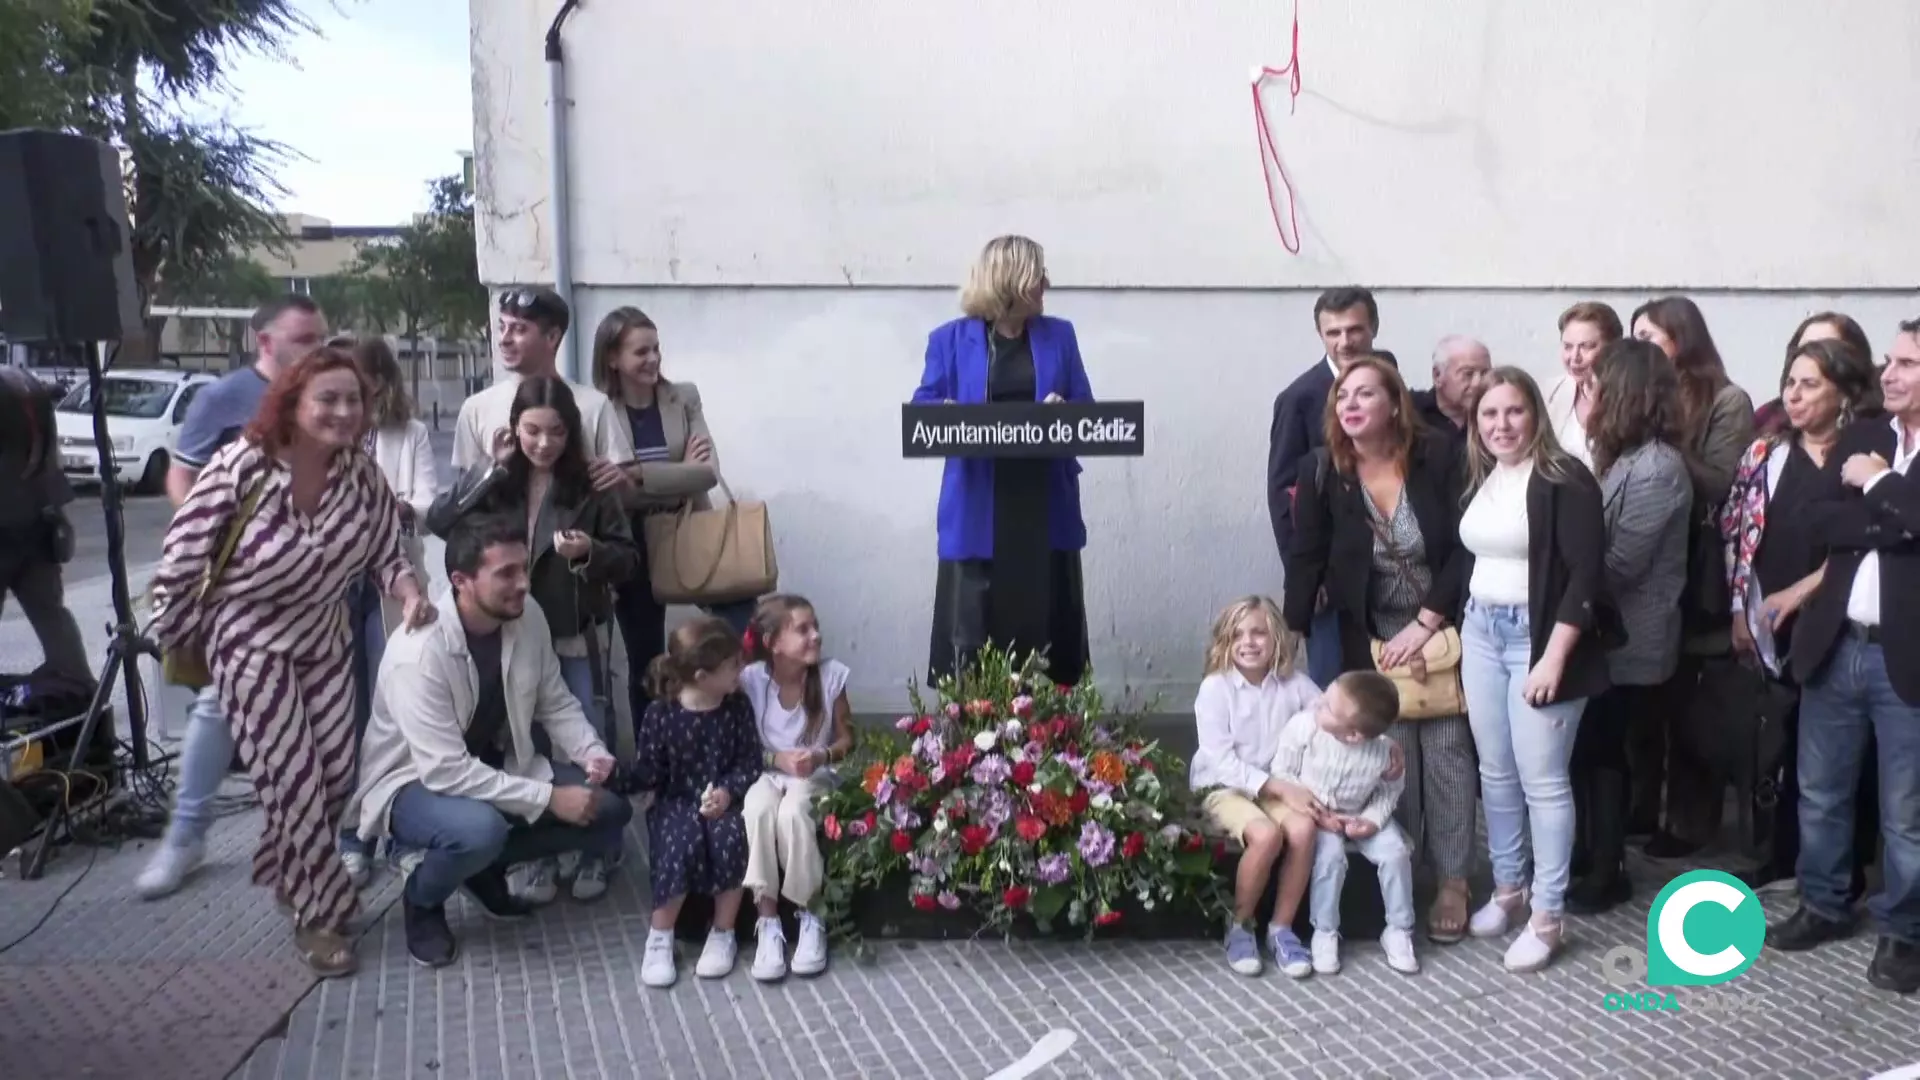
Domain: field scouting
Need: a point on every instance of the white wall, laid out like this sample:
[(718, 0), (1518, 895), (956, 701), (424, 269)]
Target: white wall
[(1473, 143), (1482, 164), (803, 389)]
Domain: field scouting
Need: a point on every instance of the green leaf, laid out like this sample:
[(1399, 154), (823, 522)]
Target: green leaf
[(1048, 902), (1194, 863)]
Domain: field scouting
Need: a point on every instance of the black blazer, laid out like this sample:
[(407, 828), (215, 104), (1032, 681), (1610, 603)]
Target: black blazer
[(1887, 520), (1333, 544), (1567, 576), (1299, 428)]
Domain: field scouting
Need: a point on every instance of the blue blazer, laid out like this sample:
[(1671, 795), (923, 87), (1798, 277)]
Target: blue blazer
[(957, 371)]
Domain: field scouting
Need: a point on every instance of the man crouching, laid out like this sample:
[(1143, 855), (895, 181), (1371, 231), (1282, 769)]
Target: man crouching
[(448, 765)]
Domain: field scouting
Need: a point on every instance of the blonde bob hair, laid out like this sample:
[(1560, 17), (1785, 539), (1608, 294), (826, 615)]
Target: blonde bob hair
[(1286, 643), (1005, 280)]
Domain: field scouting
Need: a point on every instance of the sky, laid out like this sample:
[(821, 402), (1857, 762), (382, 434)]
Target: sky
[(375, 105)]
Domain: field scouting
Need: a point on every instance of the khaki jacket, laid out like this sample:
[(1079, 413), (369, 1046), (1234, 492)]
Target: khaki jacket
[(424, 701), (666, 484)]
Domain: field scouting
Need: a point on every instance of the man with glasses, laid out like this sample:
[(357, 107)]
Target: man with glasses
[(532, 323)]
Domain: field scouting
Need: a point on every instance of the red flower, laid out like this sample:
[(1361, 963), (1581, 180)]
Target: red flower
[(1078, 801), (902, 767), (871, 821), (1023, 774), (921, 726), (974, 839), (1031, 829), (923, 901), (1195, 841), (1015, 896), (1053, 807), (902, 843), (832, 827), (958, 761), (1105, 918), (1063, 689), (1132, 846), (1073, 749)]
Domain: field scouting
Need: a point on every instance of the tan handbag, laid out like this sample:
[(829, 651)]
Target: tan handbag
[(711, 556), (186, 664), (1441, 693)]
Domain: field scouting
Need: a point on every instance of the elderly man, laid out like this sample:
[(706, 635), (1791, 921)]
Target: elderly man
[(448, 766), (1460, 368)]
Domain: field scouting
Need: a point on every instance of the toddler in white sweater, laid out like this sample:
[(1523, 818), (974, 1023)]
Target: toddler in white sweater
[(1339, 750)]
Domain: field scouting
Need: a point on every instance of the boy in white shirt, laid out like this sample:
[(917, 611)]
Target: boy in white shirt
[(1339, 750)]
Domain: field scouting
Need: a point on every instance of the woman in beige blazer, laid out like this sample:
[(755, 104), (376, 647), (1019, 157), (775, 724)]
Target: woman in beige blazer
[(674, 464)]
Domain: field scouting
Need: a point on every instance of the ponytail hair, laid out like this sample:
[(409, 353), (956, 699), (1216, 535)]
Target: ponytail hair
[(697, 645), (770, 620)]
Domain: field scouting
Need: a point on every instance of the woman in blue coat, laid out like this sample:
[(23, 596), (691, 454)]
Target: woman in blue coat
[(1010, 530)]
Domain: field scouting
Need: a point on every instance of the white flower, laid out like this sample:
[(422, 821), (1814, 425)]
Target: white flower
[(1005, 865), (940, 821), (1157, 815), (1148, 904), (984, 740), (1012, 730), (1102, 801), (1016, 755), (1036, 787)]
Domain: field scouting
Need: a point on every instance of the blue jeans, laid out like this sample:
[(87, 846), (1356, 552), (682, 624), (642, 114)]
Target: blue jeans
[(369, 627), (578, 673), (736, 613), (462, 837), (206, 752), (1387, 850), (1849, 698), (1524, 754), (1324, 656)]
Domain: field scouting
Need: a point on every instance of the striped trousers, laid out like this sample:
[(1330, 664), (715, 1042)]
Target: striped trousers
[(292, 720)]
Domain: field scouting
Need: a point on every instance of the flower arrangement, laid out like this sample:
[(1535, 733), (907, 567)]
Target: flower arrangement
[(1013, 796)]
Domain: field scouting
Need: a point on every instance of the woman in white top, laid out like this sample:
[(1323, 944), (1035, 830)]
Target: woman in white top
[(800, 701), (1535, 538), (1585, 329)]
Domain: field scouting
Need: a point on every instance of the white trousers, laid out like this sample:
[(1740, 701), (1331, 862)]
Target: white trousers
[(781, 836)]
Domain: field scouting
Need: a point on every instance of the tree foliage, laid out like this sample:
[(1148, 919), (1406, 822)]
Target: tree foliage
[(121, 70)]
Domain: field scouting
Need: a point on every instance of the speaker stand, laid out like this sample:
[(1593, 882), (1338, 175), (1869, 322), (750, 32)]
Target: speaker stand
[(125, 645)]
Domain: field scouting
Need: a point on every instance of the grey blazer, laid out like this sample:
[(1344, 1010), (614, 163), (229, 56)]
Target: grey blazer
[(1646, 498), (664, 485)]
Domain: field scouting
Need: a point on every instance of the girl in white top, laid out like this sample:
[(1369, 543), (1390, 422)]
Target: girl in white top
[(1250, 691), (1585, 329), (800, 701)]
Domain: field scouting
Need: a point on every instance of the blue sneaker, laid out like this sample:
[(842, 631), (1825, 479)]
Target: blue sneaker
[(1243, 951), (1292, 956)]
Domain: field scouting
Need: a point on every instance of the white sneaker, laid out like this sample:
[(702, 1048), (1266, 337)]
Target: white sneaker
[(1399, 947), (810, 956), (656, 964), (716, 960), (534, 882), (770, 955), (1326, 952), (359, 868), (590, 880), (566, 866), (169, 867), (1533, 950)]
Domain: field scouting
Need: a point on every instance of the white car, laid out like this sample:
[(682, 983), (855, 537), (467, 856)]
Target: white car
[(145, 409)]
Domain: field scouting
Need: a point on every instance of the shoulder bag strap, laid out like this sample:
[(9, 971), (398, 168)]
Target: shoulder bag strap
[(232, 538)]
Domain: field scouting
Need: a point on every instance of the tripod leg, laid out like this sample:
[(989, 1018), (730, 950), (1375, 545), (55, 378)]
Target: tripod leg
[(32, 866)]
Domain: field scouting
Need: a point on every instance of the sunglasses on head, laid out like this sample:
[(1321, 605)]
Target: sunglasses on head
[(517, 301)]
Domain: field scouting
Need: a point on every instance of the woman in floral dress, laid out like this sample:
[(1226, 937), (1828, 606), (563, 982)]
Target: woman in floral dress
[(313, 514)]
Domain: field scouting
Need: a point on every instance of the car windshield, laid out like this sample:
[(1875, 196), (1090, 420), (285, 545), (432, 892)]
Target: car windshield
[(142, 398)]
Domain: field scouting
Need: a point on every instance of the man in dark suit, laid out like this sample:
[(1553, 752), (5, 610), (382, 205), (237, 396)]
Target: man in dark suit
[(1460, 366), (1347, 320), (1857, 658)]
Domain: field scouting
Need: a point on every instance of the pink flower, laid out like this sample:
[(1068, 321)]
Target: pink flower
[(953, 710), (1023, 706), (858, 827), (905, 723)]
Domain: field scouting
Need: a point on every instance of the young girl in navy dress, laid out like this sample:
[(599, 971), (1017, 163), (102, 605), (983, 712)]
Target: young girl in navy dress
[(806, 725), (697, 753)]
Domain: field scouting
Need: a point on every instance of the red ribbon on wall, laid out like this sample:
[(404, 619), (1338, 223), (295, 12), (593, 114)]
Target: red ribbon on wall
[(1270, 161)]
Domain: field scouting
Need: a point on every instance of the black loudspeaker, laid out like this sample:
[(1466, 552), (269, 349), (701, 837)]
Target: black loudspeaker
[(66, 262)]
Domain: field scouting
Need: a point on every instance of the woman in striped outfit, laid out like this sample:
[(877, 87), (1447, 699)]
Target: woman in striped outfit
[(313, 514)]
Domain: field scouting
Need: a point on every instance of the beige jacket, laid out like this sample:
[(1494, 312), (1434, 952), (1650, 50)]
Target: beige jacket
[(405, 456), (424, 701), (666, 484)]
